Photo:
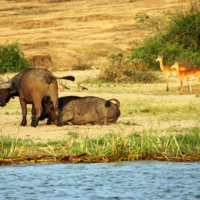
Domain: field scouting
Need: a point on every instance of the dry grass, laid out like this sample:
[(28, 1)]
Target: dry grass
[(57, 33)]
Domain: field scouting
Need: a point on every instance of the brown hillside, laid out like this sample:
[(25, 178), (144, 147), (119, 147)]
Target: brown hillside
[(59, 33)]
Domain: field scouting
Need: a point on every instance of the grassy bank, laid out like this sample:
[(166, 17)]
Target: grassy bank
[(113, 147)]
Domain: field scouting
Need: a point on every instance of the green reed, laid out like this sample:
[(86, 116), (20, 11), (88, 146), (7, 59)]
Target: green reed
[(112, 147)]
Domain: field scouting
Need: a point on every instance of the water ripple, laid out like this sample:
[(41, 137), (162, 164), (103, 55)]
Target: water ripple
[(125, 180)]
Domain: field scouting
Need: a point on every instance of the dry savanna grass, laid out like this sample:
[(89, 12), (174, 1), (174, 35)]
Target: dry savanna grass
[(56, 34)]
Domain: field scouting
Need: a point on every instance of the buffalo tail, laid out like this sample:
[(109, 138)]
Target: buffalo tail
[(117, 102), (71, 78)]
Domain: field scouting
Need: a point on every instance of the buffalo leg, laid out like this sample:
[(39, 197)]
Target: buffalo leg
[(33, 112), (102, 120), (38, 108), (24, 113), (50, 122), (57, 118), (54, 99), (58, 122)]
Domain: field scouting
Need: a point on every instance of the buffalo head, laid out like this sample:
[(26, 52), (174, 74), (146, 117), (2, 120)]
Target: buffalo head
[(5, 92)]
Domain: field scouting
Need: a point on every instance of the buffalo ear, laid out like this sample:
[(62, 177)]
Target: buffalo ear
[(6, 85), (12, 91)]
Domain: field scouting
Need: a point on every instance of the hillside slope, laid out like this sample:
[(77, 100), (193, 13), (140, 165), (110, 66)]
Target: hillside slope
[(56, 34)]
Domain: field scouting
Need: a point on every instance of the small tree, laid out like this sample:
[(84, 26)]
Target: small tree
[(12, 58)]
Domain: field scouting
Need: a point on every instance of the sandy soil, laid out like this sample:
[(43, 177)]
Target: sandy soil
[(9, 123)]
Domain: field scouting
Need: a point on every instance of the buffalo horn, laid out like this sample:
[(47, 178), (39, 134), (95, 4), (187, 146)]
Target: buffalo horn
[(9, 79), (6, 85)]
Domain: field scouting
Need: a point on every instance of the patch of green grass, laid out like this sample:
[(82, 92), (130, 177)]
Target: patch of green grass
[(73, 134), (16, 113), (14, 108), (116, 146), (157, 89), (165, 110), (111, 88)]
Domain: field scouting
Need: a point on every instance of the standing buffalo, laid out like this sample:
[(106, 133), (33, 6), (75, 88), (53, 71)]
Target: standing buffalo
[(82, 110), (32, 86)]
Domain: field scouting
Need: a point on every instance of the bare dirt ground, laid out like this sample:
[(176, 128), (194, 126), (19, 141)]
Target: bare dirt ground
[(58, 34)]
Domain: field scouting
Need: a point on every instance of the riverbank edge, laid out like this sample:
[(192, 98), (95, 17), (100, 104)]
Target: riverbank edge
[(86, 158), (108, 148)]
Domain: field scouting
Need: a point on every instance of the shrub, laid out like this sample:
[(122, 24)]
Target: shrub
[(81, 66), (121, 70), (12, 58), (178, 40)]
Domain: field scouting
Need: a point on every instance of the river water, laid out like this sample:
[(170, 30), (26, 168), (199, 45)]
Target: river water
[(125, 180)]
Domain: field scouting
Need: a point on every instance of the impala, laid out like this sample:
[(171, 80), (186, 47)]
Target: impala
[(168, 71), (189, 75)]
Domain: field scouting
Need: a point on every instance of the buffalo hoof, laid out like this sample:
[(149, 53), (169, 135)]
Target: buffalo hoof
[(49, 122), (59, 124), (33, 124), (23, 124)]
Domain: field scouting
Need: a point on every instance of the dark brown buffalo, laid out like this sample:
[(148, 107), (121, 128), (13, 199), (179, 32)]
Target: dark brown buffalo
[(82, 110), (32, 85)]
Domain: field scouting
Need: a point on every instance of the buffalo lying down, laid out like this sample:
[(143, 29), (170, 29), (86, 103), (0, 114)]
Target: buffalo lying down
[(83, 110), (32, 86)]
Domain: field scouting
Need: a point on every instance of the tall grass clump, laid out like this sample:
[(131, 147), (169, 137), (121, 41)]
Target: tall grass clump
[(12, 58), (121, 70), (113, 147), (9, 147), (176, 37)]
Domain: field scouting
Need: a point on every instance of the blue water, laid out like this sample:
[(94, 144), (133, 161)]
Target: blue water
[(125, 180)]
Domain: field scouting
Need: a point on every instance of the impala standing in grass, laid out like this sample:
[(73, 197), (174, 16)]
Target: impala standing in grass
[(168, 71), (189, 75)]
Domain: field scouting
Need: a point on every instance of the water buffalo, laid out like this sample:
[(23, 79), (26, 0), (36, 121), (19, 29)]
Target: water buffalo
[(32, 85), (82, 110)]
